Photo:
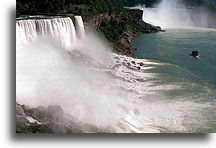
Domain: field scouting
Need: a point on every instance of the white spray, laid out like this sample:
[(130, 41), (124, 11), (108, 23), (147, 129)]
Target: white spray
[(92, 84), (173, 14)]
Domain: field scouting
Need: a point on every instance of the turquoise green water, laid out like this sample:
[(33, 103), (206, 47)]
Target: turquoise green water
[(194, 77), (175, 46)]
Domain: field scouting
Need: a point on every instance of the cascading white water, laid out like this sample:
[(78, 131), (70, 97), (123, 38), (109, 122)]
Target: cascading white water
[(168, 13), (61, 29), (91, 84), (80, 26), (173, 14)]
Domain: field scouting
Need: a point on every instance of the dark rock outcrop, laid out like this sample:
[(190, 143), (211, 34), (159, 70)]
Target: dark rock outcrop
[(132, 18), (51, 119)]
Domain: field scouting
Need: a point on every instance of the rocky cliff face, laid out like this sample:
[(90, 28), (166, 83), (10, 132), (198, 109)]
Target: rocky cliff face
[(51, 119), (132, 19)]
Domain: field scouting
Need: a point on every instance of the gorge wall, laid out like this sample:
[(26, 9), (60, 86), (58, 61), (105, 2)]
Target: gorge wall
[(133, 25)]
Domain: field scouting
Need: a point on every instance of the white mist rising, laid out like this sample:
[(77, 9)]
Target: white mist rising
[(48, 75), (75, 77), (92, 84), (51, 74), (173, 14)]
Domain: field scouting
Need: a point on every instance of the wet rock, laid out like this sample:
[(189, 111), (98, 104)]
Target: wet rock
[(117, 65), (129, 64), (44, 128), (22, 124), (133, 62), (27, 110), (19, 110), (41, 114), (22, 119), (141, 80), (117, 58), (133, 48), (141, 64), (51, 120), (132, 68), (124, 64)]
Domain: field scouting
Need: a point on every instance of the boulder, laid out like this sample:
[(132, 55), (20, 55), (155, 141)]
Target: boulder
[(19, 110), (141, 64)]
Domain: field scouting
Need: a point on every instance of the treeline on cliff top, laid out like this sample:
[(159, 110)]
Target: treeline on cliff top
[(147, 3), (86, 7), (77, 7), (112, 29)]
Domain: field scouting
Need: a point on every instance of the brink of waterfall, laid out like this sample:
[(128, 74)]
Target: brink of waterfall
[(64, 30)]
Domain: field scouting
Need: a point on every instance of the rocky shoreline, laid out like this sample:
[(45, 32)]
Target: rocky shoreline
[(51, 119), (135, 26)]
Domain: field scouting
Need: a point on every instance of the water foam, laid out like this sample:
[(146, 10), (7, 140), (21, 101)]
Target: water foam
[(96, 86)]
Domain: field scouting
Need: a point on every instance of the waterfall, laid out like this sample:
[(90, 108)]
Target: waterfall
[(173, 14), (168, 14), (61, 29), (79, 26)]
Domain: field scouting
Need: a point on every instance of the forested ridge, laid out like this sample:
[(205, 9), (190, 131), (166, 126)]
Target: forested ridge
[(86, 7), (125, 23), (80, 7)]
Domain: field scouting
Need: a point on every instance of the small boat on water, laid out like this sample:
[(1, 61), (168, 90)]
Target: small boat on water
[(194, 54)]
